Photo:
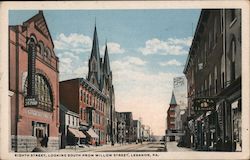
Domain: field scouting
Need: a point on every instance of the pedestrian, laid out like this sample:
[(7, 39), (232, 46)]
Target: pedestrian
[(42, 142), (46, 139)]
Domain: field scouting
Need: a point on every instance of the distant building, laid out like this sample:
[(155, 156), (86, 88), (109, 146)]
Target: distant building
[(171, 127), (121, 127), (213, 71), (129, 126), (33, 83), (137, 131)]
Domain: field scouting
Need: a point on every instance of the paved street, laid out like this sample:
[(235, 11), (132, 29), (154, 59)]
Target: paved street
[(145, 147), (172, 147)]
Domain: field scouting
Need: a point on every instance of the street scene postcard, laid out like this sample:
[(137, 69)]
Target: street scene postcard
[(109, 80)]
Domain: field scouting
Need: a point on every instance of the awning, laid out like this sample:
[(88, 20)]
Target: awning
[(77, 133), (92, 133)]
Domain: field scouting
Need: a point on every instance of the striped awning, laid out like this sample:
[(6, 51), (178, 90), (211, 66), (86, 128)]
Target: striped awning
[(77, 133), (92, 133)]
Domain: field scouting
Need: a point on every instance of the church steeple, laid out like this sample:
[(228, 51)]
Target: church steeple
[(106, 61), (94, 75), (173, 101)]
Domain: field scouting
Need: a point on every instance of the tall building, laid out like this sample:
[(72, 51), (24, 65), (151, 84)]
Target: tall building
[(213, 71), (33, 80), (100, 75), (171, 118)]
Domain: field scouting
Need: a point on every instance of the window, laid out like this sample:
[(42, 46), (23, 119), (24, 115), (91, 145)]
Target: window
[(43, 92), (87, 98), (84, 94), (81, 95), (81, 112)]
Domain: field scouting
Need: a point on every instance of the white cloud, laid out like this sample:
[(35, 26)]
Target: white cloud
[(172, 62), (73, 42), (113, 48), (172, 46), (145, 94)]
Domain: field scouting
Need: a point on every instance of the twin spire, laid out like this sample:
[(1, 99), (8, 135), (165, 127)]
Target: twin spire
[(98, 68)]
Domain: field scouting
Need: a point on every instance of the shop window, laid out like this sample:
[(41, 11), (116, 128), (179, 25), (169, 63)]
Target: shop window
[(43, 92)]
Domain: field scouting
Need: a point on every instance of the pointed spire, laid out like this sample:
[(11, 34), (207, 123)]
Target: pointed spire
[(95, 58), (95, 47), (106, 61), (173, 101)]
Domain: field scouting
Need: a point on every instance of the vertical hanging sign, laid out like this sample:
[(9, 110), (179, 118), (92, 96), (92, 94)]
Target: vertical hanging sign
[(30, 99)]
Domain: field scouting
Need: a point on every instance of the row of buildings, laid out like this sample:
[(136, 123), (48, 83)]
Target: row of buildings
[(79, 111), (212, 120)]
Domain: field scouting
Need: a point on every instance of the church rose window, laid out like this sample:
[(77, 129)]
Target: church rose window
[(43, 92)]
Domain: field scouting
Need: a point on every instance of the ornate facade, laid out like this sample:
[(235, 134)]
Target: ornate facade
[(33, 80)]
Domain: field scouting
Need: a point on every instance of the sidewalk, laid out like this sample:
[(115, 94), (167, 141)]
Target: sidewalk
[(93, 148), (172, 147)]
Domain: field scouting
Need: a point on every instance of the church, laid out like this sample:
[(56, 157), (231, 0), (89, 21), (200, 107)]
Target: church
[(93, 98)]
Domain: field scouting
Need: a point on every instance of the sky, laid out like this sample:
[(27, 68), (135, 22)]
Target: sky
[(147, 49)]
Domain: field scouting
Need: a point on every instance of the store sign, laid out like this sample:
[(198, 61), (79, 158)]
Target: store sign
[(37, 113), (204, 104), (30, 101)]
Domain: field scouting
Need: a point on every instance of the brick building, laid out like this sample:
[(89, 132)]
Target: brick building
[(87, 101), (33, 80), (213, 71), (171, 118)]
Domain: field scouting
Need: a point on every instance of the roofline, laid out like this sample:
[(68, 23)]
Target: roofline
[(40, 12), (193, 41)]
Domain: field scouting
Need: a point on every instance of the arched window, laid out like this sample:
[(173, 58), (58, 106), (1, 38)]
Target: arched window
[(41, 48), (42, 91), (48, 53), (33, 38)]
